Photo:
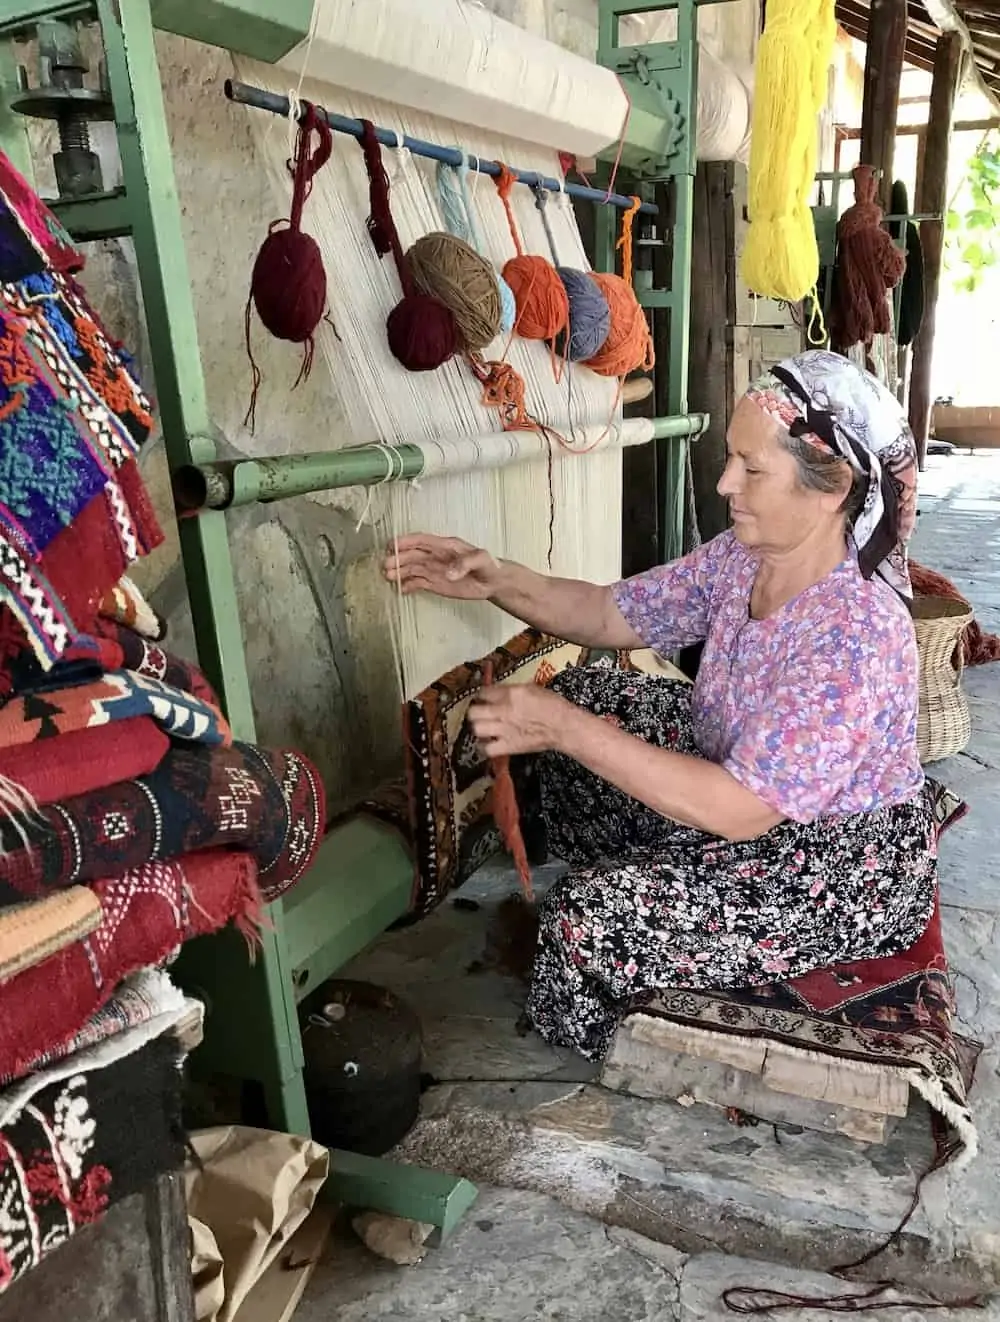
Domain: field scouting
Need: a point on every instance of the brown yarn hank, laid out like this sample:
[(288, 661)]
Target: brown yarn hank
[(868, 265), (451, 271)]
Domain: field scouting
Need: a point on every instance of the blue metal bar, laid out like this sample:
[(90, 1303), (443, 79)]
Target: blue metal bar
[(245, 95)]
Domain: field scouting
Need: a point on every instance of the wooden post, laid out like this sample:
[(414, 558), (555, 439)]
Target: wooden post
[(932, 197), (883, 69), (710, 373)]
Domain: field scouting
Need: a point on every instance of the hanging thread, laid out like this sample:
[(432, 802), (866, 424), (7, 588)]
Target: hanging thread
[(781, 258), (539, 294), (421, 330), (589, 321), (629, 344), (505, 810), (288, 282), (460, 219)]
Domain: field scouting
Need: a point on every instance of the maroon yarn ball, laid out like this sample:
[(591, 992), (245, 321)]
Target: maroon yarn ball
[(288, 285), (422, 333)]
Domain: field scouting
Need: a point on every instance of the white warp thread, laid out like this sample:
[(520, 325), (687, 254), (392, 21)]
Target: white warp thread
[(507, 510)]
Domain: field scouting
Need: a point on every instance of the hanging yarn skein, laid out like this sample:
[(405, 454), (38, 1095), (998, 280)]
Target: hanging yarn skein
[(539, 294), (629, 344), (868, 265), (589, 322), (460, 220), (781, 258), (288, 283), (421, 329)]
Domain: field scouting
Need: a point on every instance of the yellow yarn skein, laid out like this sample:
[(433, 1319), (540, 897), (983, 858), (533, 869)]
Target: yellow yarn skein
[(781, 259)]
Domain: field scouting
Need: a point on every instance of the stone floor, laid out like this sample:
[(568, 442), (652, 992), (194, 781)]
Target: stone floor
[(595, 1205)]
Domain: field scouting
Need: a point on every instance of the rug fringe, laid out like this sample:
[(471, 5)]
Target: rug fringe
[(927, 1086)]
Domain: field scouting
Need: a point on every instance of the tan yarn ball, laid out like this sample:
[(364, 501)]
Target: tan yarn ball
[(448, 269)]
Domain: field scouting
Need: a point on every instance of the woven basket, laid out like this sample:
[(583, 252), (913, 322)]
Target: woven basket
[(943, 722)]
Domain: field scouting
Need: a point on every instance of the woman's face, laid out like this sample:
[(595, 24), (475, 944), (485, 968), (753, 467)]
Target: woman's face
[(770, 508)]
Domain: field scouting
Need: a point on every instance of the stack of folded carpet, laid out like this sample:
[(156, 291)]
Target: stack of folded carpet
[(130, 819)]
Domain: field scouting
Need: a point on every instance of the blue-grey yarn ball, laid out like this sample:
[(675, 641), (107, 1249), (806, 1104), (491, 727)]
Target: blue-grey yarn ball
[(508, 308), (589, 315)]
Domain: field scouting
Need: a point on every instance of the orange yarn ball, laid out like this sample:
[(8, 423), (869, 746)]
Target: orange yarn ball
[(629, 345), (539, 296)]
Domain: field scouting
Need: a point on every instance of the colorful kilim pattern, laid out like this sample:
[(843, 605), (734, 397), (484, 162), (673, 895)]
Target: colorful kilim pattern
[(77, 1150), (148, 913), (118, 695), (270, 805), (31, 238), (73, 511)]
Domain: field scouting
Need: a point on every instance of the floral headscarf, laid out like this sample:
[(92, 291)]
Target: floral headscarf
[(823, 399)]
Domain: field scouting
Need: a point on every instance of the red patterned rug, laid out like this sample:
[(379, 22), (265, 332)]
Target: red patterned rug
[(270, 805), (887, 1014), (148, 913)]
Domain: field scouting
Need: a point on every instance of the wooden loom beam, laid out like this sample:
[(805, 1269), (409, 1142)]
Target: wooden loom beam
[(885, 53), (932, 197)]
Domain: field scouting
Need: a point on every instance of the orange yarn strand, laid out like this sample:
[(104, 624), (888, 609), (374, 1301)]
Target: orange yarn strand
[(629, 346), (625, 240)]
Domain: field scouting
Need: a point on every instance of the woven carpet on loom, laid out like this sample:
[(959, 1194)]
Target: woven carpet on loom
[(268, 804), (148, 913), (892, 1013), (444, 808), (78, 1149)]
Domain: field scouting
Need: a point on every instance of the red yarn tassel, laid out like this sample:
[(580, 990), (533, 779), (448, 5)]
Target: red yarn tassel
[(505, 811)]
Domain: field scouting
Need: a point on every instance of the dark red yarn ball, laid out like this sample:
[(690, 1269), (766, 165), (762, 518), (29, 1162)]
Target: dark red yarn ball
[(288, 285), (422, 333)]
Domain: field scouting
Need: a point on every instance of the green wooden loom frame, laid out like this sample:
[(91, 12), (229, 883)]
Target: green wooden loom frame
[(361, 881)]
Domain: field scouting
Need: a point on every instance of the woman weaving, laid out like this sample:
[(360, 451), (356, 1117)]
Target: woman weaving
[(772, 819)]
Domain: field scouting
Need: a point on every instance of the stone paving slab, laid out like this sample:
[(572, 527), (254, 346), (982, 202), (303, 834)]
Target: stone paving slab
[(522, 1257)]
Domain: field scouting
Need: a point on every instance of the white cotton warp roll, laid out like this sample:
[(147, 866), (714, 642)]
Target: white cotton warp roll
[(456, 60)]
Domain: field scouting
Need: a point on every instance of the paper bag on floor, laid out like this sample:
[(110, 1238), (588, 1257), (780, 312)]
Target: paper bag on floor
[(206, 1271), (253, 1192)]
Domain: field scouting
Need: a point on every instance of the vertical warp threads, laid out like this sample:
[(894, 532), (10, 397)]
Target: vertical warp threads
[(421, 330), (288, 282)]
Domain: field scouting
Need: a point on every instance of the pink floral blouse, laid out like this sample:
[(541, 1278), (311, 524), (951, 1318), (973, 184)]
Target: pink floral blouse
[(814, 709)]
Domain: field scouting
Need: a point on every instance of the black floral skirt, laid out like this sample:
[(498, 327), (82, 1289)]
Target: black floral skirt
[(648, 903)]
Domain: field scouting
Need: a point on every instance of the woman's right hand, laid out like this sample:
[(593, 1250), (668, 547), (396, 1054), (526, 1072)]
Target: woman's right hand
[(446, 566)]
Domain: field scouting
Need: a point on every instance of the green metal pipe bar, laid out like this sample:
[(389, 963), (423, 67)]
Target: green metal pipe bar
[(226, 484)]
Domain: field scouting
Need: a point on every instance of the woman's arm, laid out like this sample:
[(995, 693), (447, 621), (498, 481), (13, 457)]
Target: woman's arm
[(583, 613), (686, 789), (522, 718)]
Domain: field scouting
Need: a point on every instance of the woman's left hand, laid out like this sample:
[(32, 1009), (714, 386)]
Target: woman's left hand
[(519, 718)]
